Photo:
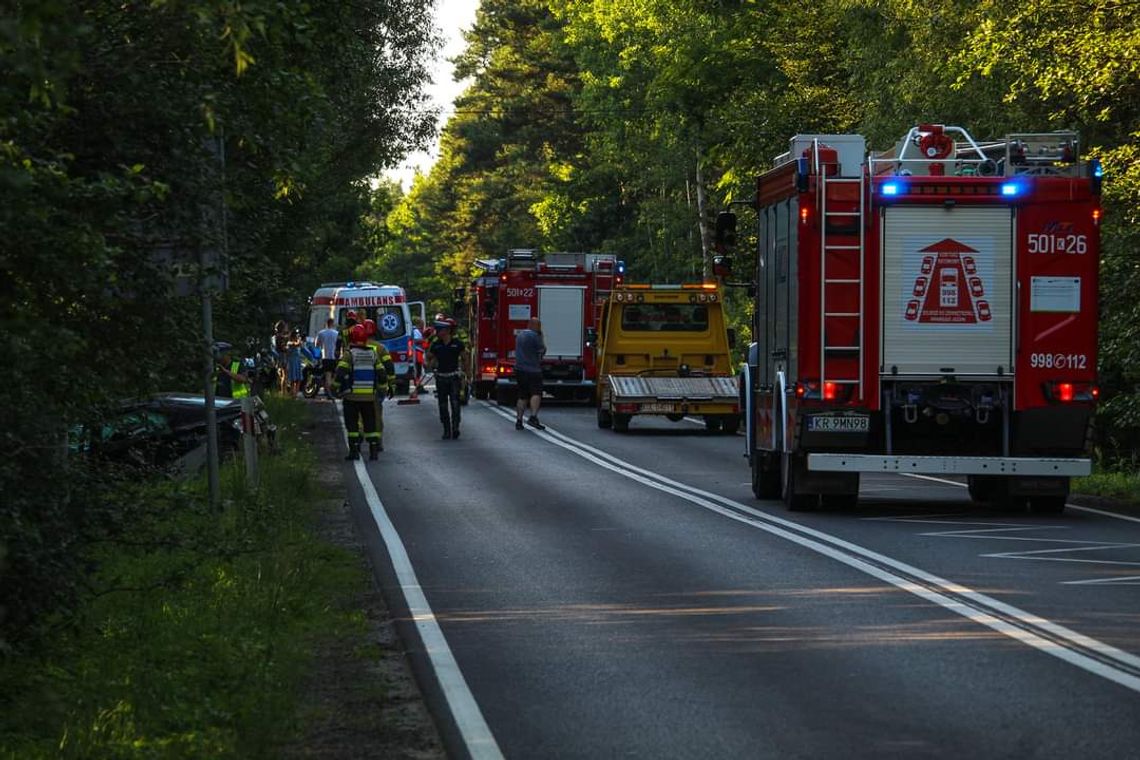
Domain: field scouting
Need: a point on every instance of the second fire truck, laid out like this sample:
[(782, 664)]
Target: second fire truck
[(566, 291), (931, 309)]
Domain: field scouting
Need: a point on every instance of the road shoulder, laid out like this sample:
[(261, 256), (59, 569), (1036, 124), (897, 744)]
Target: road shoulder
[(360, 698)]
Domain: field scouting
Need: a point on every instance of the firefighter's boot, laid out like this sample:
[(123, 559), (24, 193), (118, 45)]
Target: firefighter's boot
[(353, 451), (374, 449)]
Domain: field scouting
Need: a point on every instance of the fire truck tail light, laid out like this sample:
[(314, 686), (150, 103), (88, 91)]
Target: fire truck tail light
[(489, 368), (1097, 214), (805, 212), (1066, 392), (831, 391)]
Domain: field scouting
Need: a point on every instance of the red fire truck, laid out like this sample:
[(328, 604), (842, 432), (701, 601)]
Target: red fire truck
[(566, 291), (929, 309)]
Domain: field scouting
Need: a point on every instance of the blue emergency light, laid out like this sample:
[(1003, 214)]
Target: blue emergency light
[(1012, 189), (890, 188), (620, 267)]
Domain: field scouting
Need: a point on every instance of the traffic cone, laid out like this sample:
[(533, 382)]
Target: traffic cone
[(414, 396)]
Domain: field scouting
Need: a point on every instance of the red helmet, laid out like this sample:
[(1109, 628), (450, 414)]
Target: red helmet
[(358, 335), (371, 326)]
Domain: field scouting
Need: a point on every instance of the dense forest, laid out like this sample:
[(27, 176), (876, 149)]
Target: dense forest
[(138, 135), (615, 126)]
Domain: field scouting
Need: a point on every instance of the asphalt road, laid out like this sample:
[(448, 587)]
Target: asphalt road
[(609, 595)]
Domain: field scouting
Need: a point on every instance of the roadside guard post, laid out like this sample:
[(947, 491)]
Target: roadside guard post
[(249, 442)]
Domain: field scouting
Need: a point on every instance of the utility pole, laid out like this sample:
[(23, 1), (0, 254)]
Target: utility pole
[(213, 475), (208, 278)]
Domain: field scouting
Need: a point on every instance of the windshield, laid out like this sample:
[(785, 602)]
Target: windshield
[(665, 317)]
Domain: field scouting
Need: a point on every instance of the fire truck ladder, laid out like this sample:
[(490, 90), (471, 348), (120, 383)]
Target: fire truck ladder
[(846, 244)]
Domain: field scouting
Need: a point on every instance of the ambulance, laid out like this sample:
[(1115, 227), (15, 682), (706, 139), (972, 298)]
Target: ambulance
[(386, 305)]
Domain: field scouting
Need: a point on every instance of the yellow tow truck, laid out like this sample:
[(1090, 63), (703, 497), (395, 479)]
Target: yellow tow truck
[(664, 350)]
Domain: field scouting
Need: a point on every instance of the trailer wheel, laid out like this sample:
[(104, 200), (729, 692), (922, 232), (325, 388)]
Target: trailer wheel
[(793, 499), (712, 424), (765, 476), (621, 422), (731, 424), (605, 419)]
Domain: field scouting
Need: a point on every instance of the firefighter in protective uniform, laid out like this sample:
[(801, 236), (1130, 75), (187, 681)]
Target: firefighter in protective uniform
[(362, 376)]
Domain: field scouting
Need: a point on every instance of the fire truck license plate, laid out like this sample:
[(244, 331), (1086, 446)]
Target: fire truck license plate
[(845, 424)]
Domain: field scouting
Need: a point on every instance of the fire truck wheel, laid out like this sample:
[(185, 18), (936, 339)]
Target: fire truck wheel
[(482, 391), (605, 419), (621, 422), (713, 424), (793, 499), (402, 388), (1046, 505), (765, 477), (731, 424), (505, 396)]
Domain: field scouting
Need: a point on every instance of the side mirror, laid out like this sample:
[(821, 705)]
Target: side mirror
[(731, 337), (591, 336), (724, 235)]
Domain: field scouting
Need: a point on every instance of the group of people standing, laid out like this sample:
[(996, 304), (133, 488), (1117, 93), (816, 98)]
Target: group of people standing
[(358, 369)]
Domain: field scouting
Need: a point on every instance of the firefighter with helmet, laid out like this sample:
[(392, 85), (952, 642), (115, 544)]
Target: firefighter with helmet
[(351, 318), (386, 359), (361, 378)]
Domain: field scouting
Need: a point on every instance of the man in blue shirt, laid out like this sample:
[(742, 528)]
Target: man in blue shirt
[(529, 350)]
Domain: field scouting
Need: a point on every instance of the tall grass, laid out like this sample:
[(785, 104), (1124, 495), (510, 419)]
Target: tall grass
[(196, 627)]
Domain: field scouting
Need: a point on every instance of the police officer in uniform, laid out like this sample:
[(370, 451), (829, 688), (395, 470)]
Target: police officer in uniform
[(444, 357), (360, 374)]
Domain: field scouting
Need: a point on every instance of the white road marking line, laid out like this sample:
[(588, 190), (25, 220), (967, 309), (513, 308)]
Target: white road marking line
[(860, 558), (1128, 580), (1077, 507), (476, 734)]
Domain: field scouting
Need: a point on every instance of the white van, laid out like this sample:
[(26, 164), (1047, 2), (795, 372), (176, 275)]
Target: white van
[(386, 305)]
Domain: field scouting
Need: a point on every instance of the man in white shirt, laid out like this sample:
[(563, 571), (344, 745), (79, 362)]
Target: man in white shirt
[(326, 340)]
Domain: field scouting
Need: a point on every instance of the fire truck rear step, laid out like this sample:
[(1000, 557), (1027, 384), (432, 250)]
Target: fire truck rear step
[(950, 465)]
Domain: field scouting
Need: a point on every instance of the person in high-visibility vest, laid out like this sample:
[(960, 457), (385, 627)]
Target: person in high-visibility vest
[(231, 381), (390, 366), (360, 377)]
